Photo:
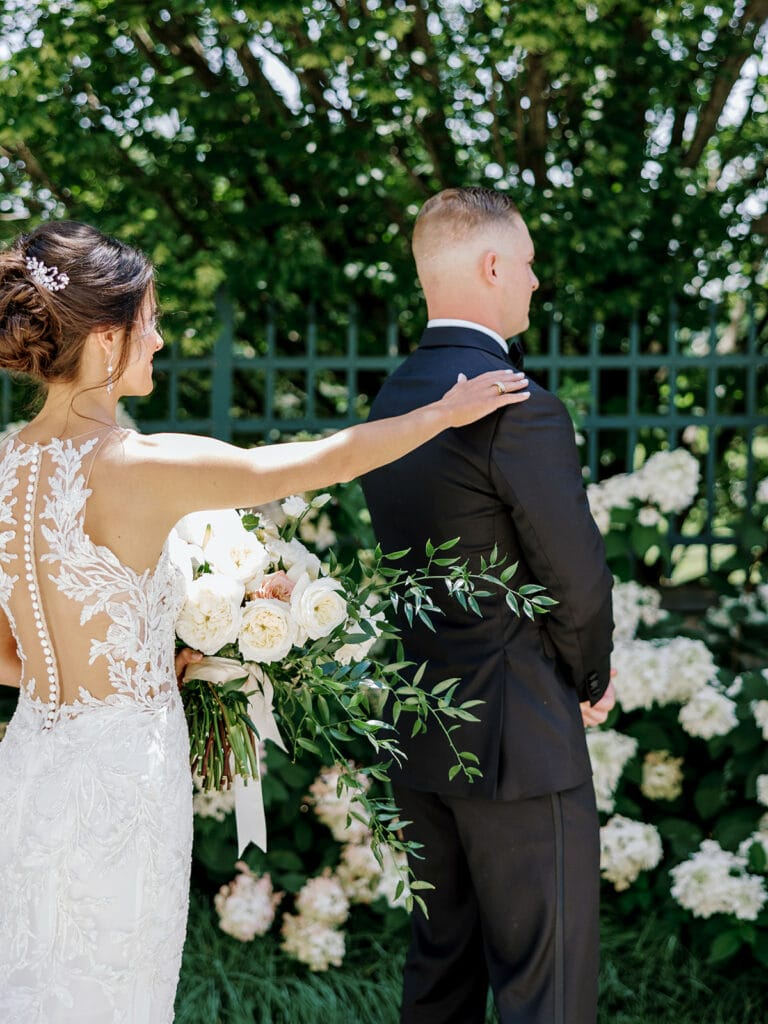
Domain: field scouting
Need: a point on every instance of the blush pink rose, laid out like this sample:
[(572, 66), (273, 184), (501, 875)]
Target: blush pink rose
[(276, 586)]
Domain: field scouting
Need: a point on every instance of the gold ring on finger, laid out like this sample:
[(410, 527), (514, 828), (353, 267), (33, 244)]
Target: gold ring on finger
[(500, 387)]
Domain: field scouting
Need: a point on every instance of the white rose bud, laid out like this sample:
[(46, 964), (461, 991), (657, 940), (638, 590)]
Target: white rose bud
[(210, 617), (294, 506), (268, 631), (318, 606)]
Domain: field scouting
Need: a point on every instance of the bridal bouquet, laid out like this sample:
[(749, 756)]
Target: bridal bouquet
[(286, 642)]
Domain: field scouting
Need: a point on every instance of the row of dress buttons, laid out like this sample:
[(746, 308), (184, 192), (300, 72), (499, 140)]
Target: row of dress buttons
[(53, 688)]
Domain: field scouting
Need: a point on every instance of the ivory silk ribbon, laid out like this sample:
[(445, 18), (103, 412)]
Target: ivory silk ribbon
[(249, 801)]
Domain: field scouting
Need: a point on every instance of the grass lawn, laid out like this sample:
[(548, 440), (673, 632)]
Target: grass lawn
[(645, 979)]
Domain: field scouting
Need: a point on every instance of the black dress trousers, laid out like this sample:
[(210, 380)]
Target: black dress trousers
[(515, 904)]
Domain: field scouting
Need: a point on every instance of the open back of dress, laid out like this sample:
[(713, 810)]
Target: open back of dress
[(95, 789)]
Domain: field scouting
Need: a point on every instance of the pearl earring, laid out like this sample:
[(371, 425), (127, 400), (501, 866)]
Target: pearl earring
[(109, 376)]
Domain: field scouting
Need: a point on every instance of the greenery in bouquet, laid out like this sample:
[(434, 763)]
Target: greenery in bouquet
[(287, 643)]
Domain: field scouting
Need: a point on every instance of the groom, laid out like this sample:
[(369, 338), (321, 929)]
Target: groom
[(514, 855)]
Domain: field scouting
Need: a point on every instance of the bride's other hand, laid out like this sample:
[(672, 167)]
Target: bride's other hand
[(185, 657), (470, 400)]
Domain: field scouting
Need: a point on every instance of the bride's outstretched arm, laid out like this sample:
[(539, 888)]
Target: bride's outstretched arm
[(186, 473), (10, 663)]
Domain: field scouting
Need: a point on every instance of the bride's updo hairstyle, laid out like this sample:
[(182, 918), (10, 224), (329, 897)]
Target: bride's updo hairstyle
[(59, 283)]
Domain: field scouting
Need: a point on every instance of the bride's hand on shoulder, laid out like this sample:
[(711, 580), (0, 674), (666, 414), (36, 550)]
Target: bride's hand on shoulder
[(470, 400)]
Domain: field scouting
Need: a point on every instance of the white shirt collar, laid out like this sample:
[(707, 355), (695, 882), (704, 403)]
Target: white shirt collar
[(450, 322)]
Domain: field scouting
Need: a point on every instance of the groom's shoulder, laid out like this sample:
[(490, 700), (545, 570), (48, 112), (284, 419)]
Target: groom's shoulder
[(543, 408)]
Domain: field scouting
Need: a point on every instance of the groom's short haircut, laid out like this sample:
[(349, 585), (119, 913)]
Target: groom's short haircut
[(456, 213)]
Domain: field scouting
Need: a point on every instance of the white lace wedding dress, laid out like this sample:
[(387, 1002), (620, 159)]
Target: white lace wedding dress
[(95, 789)]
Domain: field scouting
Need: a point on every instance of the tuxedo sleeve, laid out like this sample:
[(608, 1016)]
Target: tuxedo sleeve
[(536, 472)]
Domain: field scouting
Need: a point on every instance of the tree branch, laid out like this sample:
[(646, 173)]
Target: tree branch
[(754, 16)]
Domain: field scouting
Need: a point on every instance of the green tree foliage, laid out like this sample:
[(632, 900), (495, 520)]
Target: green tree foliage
[(285, 147)]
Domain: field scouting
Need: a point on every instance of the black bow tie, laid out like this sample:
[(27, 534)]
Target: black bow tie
[(516, 354)]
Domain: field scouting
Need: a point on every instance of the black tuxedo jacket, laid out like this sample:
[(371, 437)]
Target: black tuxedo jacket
[(512, 479)]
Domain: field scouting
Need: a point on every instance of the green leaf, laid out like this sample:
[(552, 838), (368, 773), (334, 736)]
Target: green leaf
[(309, 745), (448, 544), (724, 946), (444, 685)]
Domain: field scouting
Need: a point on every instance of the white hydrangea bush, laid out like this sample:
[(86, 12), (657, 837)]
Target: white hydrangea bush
[(681, 776)]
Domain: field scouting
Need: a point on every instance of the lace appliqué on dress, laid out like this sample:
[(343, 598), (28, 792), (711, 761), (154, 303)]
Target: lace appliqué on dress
[(96, 811)]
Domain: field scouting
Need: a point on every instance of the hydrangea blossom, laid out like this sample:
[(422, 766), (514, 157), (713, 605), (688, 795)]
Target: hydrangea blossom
[(216, 803), (627, 847), (333, 804), (633, 604), (359, 873), (322, 899), (661, 671), (616, 492), (762, 491), (760, 711), (662, 775), (609, 752), (312, 943), (311, 935), (762, 790), (246, 907), (715, 881), (669, 480), (708, 713)]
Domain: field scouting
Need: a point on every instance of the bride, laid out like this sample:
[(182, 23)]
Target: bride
[(95, 788)]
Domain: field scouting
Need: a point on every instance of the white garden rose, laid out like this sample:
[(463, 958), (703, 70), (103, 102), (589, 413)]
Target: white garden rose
[(210, 617), (268, 630), (318, 606), (238, 553), (200, 527)]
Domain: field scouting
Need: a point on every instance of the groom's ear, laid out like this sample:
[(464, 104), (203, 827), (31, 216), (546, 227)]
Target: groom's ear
[(488, 266)]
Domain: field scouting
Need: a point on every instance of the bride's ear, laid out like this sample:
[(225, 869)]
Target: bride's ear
[(104, 345)]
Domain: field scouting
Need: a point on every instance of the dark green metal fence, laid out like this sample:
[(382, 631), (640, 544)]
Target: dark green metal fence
[(648, 384)]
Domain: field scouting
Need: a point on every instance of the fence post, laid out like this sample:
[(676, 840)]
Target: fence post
[(221, 398)]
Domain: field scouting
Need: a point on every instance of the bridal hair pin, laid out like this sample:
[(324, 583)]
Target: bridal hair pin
[(49, 278)]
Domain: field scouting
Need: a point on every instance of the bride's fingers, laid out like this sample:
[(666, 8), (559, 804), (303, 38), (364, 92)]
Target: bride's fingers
[(185, 657)]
